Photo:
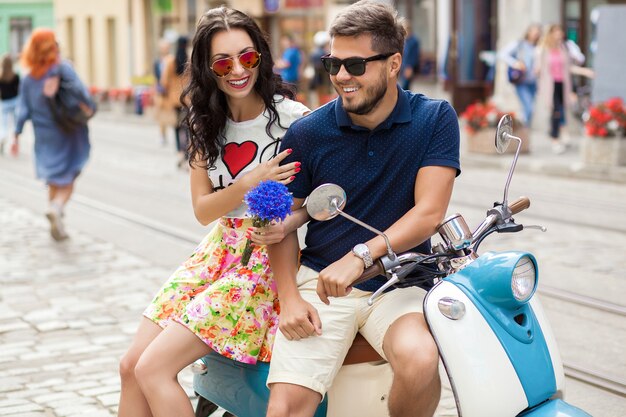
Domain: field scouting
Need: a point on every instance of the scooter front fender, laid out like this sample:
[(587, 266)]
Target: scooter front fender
[(555, 408)]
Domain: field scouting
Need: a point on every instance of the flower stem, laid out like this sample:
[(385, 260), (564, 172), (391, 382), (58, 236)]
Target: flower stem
[(247, 251)]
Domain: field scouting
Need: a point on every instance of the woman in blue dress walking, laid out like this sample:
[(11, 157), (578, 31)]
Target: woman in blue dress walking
[(59, 155)]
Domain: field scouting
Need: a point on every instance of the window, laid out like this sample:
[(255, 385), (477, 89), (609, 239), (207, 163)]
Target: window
[(19, 32)]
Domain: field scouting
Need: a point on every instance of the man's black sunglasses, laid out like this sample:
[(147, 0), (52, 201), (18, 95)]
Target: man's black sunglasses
[(354, 66)]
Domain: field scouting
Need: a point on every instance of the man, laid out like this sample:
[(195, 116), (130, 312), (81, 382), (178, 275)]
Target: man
[(396, 154), (289, 64), (410, 58)]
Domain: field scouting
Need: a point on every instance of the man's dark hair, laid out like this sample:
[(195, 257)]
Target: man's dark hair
[(379, 20)]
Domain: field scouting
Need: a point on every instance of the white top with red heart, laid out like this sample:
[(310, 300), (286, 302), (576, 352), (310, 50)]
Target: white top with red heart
[(248, 144)]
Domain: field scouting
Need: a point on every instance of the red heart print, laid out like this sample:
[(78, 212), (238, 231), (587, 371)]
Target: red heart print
[(238, 156)]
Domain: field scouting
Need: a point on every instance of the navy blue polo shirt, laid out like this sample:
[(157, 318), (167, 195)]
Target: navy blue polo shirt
[(376, 168)]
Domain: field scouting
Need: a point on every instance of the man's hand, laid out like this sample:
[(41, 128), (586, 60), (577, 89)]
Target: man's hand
[(336, 279), (298, 319)]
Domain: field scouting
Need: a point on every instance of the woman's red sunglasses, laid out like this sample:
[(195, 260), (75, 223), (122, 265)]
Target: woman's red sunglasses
[(223, 67)]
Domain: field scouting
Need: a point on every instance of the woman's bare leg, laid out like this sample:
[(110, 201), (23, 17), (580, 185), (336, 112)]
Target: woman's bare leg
[(132, 401), (157, 370)]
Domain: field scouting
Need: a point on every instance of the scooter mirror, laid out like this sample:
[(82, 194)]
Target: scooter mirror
[(325, 202), (505, 129)]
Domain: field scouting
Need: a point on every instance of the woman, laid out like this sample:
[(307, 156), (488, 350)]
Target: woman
[(172, 82), (9, 86), (238, 110), (164, 112), (59, 155), (554, 68), (521, 56)]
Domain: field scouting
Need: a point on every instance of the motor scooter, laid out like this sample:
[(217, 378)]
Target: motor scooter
[(493, 336)]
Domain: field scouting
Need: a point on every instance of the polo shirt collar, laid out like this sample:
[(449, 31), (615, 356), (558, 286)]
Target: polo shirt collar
[(401, 113)]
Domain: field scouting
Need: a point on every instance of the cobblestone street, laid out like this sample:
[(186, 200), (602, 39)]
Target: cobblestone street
[(67, 314)]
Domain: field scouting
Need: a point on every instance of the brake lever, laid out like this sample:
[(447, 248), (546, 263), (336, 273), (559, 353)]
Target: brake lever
[(392, 281), (537, 227)]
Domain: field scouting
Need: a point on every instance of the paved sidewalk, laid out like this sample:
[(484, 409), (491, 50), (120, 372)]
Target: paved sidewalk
[(542, 161), (67, 313)]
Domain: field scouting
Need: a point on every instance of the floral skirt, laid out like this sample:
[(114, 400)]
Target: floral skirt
[(232, 308)]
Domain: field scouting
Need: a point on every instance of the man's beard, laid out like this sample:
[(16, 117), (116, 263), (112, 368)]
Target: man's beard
[(373, 96)]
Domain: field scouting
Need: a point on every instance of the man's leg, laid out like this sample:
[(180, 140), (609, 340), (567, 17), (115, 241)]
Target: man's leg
[(292, 401), (302, 371), (396, 328), (414, 359)]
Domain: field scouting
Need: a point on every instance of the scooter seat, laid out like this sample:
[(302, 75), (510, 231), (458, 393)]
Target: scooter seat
[(361, 351)]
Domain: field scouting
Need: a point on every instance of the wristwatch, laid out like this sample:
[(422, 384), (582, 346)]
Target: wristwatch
[(362, 251)]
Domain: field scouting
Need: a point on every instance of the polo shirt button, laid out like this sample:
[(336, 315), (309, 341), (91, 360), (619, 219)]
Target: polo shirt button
[(371, 153)]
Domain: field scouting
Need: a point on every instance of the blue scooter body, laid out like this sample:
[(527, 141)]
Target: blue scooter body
[(238, 387)]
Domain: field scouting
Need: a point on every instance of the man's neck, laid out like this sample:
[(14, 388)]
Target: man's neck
[(380, 113)]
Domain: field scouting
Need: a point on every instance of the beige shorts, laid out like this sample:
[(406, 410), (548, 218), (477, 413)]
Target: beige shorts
[(314, 362)]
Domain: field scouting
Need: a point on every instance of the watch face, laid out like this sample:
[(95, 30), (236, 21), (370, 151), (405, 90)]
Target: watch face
[(361, 249)]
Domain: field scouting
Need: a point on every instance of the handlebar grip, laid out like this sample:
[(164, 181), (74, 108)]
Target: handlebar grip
[(520, 204), (371, 272)]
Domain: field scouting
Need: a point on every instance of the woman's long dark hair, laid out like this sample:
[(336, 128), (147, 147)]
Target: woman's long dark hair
[(205, 104), (181, 54)]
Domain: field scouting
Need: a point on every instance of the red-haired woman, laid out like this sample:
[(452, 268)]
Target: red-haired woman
[(60, 155)]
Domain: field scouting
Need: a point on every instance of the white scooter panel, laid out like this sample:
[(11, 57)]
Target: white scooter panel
[(482, 376)]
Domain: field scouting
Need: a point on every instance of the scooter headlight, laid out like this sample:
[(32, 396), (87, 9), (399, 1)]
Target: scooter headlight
[(524, 279)]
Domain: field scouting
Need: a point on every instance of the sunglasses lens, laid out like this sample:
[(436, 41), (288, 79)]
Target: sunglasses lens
[(222, 67), (332, 65), (250, 59), (355, 66)]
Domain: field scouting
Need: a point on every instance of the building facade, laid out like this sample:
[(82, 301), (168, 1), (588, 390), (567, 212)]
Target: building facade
[(17, 20)]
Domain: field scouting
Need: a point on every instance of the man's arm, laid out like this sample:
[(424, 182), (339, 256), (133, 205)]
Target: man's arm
[(433, 189), (298, 318)]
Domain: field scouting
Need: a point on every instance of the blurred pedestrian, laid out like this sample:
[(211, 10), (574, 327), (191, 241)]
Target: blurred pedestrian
[(320, 82), (554, 67), (410, 57), (172, 82), (520, 55), (289, 64), (9, 88), (164, 114), (238, 111), (60, 154)]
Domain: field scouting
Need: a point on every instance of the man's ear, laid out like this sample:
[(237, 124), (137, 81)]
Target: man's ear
[(396, 63)]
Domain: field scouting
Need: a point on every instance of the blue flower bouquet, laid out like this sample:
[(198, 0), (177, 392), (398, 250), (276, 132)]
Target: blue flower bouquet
[(269, 201)]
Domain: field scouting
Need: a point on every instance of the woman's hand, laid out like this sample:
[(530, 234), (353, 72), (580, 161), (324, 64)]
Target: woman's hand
[(51, 86), (268, 235), (276, 231), (15, 146), (272, 170), (519, 65)]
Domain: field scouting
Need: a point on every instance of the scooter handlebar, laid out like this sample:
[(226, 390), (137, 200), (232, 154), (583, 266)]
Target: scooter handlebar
[(519, 205), (371, 272)]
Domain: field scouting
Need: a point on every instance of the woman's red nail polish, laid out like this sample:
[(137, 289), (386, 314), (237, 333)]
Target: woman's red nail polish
[(298, 164), (289, 150), (292, 178), (297, 170)]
